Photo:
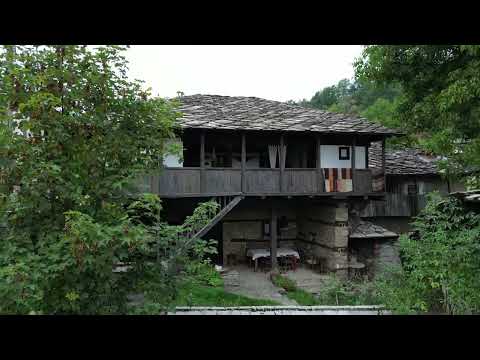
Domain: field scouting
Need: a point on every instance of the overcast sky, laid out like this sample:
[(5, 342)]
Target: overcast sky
[(272, 72)]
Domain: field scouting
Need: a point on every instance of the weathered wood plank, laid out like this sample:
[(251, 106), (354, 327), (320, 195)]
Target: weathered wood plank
[(219, 216), (178, 181), (363, 180), (244, 160), (273, 238), (264, 181), (395, 205), (223, 180), (300, 181)]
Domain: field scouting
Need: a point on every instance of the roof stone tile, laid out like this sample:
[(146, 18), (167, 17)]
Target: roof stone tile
[(247, 113)]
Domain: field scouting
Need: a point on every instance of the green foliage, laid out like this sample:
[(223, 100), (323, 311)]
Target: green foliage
[(283, 282), (204, 273), (440, 263), (84, 133), (201, 285), (376, 102), (440, 102), (333, 292)]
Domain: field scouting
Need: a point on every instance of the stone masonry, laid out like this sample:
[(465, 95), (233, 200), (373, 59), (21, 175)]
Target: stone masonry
[(323, 231)]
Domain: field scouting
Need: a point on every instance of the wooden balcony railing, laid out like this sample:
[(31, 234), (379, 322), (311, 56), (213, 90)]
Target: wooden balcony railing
[(177, 182)]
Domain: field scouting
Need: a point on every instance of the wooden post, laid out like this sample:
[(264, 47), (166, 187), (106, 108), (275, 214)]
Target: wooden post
[(273, 238), (244, 162), (383, 166), (202, 162), (282, 165), (304, 156), (354, 145), (366, 155), (320, 181)]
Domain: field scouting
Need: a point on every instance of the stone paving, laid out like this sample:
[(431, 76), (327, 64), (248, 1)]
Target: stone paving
[(253, 284), (307, 279)]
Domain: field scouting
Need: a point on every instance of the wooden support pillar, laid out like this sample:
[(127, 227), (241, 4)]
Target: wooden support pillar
[(367, 148), (354, 145), (304, 156), (273, 238), (320, 180), (282, 162), (202, 162), (383, 166), (244, 161)]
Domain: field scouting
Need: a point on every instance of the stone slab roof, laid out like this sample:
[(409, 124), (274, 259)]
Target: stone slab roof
[(251, 113), (402, 162), (369, 230), (468, 196)]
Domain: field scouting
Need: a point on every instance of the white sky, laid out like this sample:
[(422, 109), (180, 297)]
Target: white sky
[(275, 72)]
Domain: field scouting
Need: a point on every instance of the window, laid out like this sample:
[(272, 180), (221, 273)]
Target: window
[(344, 153), (412, 189), (282, 223)]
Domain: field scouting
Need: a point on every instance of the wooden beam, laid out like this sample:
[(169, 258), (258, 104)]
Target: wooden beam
[(366, 155), (273, 238), (282, 160), (244, 162), (202, 162), (219, 216), (304, 156), (353, 161), (320, 181)]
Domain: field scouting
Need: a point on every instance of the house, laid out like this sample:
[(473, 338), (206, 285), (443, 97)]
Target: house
[(285, 176), (410, 176)]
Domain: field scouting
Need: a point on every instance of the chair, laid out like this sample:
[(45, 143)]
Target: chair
[(264, 264), (288, 263)]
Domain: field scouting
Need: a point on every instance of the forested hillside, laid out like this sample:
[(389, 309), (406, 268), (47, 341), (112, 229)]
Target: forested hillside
[(431, 92)]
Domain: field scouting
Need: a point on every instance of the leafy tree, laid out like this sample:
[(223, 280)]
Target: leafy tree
[(441, 98), (75, 134), (440, 262), (362, 98)]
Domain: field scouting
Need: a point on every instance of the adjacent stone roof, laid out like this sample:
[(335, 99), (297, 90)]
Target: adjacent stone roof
[(368, 230), (402, 162), (251, 113), (468, 196)]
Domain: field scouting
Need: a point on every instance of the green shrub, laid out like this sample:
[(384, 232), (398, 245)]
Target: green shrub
[(204, 273), (283, 282), (441, 263)]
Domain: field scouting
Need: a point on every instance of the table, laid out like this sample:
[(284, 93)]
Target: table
[(256, 254)]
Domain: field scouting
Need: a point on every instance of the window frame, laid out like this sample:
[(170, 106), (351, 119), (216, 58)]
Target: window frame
[(347, 149)]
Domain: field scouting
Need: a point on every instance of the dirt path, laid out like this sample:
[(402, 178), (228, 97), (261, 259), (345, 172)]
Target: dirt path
[(242, 280)]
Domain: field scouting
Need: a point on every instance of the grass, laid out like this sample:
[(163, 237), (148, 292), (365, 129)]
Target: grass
[(201, 285), (194, 294), (334, 292), (302, 297)]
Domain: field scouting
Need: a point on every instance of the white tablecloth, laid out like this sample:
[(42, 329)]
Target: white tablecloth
[(258, 253)]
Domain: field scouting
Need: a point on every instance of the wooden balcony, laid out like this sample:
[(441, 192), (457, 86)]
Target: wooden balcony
[(184, 182)]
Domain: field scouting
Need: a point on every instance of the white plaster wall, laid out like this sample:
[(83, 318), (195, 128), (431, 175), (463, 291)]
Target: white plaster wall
[(172, 161), (330, 158)]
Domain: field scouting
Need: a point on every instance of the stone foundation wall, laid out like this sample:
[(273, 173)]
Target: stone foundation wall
[(246, 223), (323, 232), (386, 253)]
